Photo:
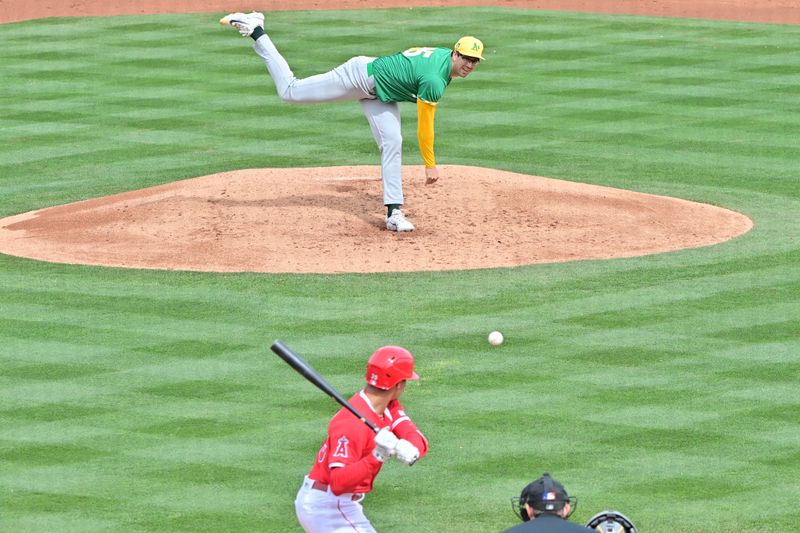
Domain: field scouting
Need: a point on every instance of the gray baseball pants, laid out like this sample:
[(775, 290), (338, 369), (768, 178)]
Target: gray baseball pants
[(348, 81)]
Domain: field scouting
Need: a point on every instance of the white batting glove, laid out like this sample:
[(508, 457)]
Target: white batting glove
[(385, 444), (406, 452)]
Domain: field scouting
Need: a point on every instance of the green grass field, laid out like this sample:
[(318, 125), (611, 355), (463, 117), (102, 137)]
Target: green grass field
[(663, 386)]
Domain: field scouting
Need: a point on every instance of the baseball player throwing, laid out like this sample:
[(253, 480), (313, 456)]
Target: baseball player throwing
[(418, 75), (351, 456)]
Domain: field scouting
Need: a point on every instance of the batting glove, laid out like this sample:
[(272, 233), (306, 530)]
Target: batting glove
[(385, 444), (406, 452)]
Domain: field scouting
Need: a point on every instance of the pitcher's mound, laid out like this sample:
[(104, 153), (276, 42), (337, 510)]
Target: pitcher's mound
[(327, 220)]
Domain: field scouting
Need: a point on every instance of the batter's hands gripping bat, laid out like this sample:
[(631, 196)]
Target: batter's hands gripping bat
[(305, 370)]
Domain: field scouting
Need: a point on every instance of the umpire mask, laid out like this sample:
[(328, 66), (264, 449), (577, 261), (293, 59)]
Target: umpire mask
[(611, 522)]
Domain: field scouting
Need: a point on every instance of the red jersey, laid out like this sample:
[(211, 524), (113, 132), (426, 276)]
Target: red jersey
[(345, 460)]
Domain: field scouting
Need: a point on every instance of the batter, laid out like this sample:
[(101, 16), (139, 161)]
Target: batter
[(418, 75), (329, 500)]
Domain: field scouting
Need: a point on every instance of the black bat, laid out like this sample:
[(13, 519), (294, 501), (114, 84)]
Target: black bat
[(305, 370)]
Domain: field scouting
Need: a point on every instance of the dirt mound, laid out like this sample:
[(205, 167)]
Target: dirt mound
[(328, 220)]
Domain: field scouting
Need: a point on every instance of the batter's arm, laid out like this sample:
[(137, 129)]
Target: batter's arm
[(405, 428), (345, 478), (426, 112)]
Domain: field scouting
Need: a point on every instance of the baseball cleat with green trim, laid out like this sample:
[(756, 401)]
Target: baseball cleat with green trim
[(246, 23)]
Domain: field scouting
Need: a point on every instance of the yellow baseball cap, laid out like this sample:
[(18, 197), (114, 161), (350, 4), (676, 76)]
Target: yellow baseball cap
[(469, 46)]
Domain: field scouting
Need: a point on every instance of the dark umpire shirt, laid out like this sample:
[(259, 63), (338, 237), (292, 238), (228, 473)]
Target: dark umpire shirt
[(547, 523)]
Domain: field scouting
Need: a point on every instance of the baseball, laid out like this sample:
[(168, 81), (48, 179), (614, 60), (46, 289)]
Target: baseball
[(495, 338)]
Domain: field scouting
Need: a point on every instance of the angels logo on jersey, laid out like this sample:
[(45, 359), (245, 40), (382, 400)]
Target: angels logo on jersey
[(323, 452), (341, 448)]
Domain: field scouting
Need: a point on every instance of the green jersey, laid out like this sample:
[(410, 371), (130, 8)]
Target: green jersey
[(422, 73)]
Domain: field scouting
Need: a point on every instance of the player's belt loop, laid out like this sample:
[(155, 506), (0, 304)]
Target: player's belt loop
[(370, 70)]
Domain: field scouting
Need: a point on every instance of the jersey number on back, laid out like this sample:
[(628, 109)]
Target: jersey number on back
[(425, 52)]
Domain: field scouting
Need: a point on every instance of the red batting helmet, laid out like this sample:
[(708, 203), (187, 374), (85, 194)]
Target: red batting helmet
[(390, 365)]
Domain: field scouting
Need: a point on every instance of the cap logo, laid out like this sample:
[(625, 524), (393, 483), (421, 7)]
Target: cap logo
[(476, 47), (549, 496)]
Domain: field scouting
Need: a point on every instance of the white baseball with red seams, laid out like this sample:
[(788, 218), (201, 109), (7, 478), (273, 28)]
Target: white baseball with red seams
[(495, 338)]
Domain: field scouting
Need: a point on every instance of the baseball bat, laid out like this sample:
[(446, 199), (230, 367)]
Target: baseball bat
[(308, 372)]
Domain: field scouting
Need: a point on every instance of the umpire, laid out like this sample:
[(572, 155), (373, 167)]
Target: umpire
[(544, 506)]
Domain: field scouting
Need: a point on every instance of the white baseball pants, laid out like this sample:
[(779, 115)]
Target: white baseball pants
[(349, 81), (323, 512)]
